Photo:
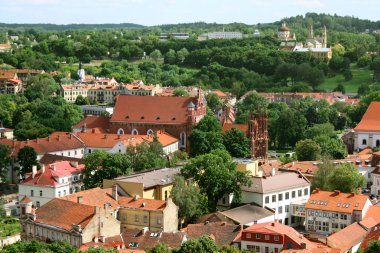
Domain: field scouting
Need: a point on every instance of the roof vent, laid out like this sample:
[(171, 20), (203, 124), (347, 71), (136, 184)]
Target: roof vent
[(142, 117), (127, 117), (173, 118), (157, 118), (143, 204)]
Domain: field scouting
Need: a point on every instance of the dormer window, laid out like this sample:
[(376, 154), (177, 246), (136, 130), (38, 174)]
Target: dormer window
[(142, 117)]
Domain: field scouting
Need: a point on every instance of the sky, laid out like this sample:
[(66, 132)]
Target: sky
[(157, 12)]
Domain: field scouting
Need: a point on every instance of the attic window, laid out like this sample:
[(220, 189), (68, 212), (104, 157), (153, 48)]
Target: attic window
[(157, 118), (127, 117), (173, 118), (142, 117)]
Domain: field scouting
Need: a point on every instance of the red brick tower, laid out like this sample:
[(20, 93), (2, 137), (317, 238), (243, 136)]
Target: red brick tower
[(258, 129)]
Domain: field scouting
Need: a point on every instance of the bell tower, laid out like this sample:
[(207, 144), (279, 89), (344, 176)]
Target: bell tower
[(258, 129)]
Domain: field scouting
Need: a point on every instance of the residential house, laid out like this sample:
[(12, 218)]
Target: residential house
[(278, 192), (65, 220), (156, 215), (271, 237), (153, 184), (367, 132), (349, 239), (327, 212), (52, 181), (90, 122)]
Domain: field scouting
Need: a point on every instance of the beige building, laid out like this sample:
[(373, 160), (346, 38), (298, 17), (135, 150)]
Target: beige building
[(154, 184), (149, 214), (72, 222)]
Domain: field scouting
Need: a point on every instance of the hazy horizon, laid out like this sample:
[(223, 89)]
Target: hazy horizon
[(158, 12)]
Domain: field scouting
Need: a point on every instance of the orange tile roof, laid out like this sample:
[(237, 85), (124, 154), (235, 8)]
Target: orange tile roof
[(347, 238), (55, 142), (63, 214), (336, 202), (241, 127), (371, 119), (25, 200), (372, 217), (142, 204), (147, 109), (100, 140), (164, 138), (7, 74), (172, 240), (94, 197), (219, 93)]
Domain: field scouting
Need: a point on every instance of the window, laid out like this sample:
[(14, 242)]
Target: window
[(273, 198), (287, 195), (136, 218), (59, 193), (159, 220), (64, 192), (41, 194), (276, 237), (166, 195), (266, 199), (275, 250), (364, 142), (258, 236), (150, 131), (280, 197), (182, 138), (377, 143), (31, 193), (299, 193), (266, 237), (343, 216), (293, 194), (306, 191), (248, 235), (266, 249), (120, 131), (37, 204), (134, 131), (287, 208), (280, 209), (145, 219)]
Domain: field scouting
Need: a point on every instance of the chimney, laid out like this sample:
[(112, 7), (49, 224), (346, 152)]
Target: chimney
[(114, 192), (136, 197), (316, 190), (273, 171), (34, 170), (48, 138), (43, 168), (37, 141), (352, 194), (144, 230), (79, 199), (273, 224), (337, 192), (303, 245)]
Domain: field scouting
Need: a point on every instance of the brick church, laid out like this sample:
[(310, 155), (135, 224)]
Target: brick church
[(146, 114), (257, 132)]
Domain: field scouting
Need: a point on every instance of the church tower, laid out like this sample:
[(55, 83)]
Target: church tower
[(81, 72), (258, 129), (324, 40)]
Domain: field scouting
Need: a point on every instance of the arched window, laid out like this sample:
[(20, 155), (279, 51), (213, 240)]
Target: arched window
[(134, 131), (364, 142), (150, 131), (182, 138), (120, 131), (377, 143)]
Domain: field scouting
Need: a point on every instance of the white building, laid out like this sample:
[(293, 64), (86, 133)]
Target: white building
[(52, 181), (181, 36), (224, 35), (327, 212), (278, 192), (367, 132), (96, 110)]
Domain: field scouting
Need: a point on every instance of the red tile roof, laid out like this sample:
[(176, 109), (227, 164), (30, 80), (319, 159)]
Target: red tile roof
[(63, 214), (7, 74), (347, 238), (220, 93), (94, 197), (336, 202), (57, 141), (100, 140), (143, 204), (101, 122), (371, 119), (48, 177), (279, 229), (223, 233), (372, 217), (25, 200), (147, 109), (145, 240)]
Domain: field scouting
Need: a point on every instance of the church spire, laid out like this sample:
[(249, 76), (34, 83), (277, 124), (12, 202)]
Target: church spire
[(311, 32), (324, 37)]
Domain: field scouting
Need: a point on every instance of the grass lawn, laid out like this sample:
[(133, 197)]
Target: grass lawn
[(360, 76)]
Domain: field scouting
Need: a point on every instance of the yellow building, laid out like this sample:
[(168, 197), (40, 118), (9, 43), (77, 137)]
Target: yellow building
[(250, 165), (153, 184)]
